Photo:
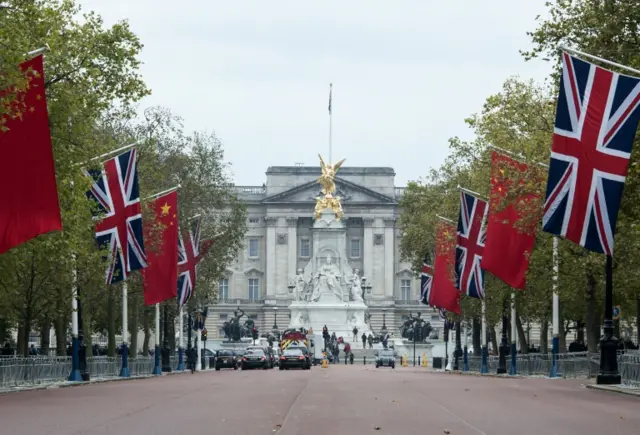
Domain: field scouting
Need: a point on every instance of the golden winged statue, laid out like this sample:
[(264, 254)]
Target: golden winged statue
[(327, 181)]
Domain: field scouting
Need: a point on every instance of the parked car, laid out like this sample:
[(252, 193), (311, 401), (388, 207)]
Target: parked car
[(386, 358), (226, 359), (293, 357), (256, 359)]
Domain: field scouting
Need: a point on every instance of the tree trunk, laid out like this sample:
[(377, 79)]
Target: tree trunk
[(26, 331), (20, 341), (591, 321), (61, 333), (45, 342), (580, 331), (544, 334), (522, 337), (111, 322), (476, 337), (133, 325), (494, 340), (147, 332)]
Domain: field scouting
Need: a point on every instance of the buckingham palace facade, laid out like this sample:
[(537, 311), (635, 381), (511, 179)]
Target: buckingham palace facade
[(278, 243)]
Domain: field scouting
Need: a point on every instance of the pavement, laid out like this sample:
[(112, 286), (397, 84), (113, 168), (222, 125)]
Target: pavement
[(339, 400)]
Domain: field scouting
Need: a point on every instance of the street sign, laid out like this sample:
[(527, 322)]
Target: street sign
[(616, 312)]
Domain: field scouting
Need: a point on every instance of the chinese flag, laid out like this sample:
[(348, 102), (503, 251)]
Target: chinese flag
[(28, 192), (443, 292), (161, 273), (509, 241)]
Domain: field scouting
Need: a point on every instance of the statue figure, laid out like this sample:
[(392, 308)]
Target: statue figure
[(236, 332), (226, 328), (326, 280), (419, 324), (327, 181), (406, 329), (367, 317), (299, 291), (356, 288)]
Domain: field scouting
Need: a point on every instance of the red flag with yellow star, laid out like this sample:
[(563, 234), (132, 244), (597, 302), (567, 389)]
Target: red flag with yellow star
[(28, 193), (161, 274), (510, 237), (443, 293)]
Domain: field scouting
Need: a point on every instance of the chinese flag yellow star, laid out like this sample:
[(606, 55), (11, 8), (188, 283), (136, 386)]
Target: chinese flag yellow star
[(165, 209)]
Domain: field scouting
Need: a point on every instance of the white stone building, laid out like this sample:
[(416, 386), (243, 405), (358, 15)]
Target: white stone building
[(278, 242)]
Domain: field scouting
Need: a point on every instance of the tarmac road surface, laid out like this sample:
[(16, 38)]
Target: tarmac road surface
[(340, 400)]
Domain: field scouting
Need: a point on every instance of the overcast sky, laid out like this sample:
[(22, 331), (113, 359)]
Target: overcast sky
[(405, 74)]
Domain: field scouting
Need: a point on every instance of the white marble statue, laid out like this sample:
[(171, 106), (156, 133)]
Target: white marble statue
[(356, 287), (299, 291), (326, 280)]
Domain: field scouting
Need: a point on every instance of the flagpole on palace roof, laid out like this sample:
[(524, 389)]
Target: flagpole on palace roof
[(471, 192), (599, 59), (330, 122), (39, 51)]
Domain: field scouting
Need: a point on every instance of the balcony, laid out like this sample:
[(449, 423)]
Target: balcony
[(237, 301)]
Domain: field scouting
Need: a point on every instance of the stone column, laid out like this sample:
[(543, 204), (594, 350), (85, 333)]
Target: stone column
[(367, 249), (292, 260), (271, 255), (389, 251)]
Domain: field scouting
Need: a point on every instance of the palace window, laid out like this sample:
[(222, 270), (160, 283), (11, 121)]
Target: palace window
[(254, 220), (254, 248), (305, 246), (254, 288), (224, 289), (354, 251), (405, 289)]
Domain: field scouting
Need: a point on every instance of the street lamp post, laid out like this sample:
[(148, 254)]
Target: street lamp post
[(275, 323), (458, 351), (166, 351)]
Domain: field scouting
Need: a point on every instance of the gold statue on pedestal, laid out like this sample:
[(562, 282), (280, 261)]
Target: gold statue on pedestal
[(327, 181)]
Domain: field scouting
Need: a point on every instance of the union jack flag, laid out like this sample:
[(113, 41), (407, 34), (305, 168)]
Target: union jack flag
[(426, 279), (596, 120), (470, 245), (189, 255), (119, 220)]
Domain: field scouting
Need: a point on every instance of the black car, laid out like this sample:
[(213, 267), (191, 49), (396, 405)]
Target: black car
[(305, 352), (226, 359), (294, 358), (256, 359)]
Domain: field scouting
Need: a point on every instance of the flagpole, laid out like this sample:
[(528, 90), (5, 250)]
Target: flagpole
[(516, 155), (330, 122), (465, 357), (198, 334), (514, 331), (156, 353), (483, 368), (124, 371), (164, 192), (180, 367), (555, 319), (471, 192), (101, 156), (75, 342), (446, 220), (39, 51), (599, 59)]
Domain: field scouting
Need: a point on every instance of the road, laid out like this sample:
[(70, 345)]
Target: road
[(339, 400)]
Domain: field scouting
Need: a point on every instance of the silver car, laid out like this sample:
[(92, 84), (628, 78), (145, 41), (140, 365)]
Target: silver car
[(386, 358)]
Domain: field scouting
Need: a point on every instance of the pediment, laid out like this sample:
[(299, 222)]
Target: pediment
[(348, 192), (404, 272), (253, 271)]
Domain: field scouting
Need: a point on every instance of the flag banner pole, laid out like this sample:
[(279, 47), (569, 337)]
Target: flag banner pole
[(516, 155), (514, 331), (596, 58), (450, 221), (330, 121), (483, 367), (124, 371), (180, 341), (75, 375), (131, 145), (156, 356), (471, 192), (194, 217), (39, 51), (555, 318), (164, 192)]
